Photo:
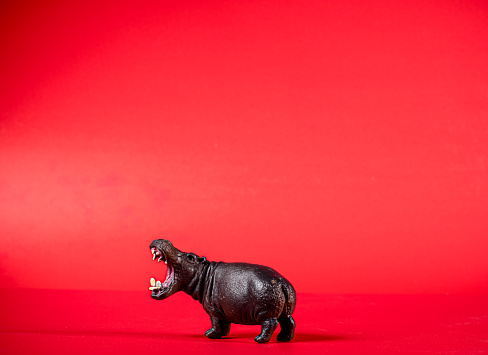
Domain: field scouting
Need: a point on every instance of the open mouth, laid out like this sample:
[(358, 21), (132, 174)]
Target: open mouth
[(157, 287)]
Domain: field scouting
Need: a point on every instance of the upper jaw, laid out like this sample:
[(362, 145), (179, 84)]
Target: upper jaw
[(158, 254)]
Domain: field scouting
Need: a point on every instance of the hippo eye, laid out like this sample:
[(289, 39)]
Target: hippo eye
[(190, 257)]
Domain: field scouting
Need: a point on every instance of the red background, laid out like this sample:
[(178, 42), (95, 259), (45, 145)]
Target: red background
[(342, 143)]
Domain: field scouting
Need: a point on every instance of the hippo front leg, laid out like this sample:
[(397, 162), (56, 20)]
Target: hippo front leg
[(267, 329), (220, 328)]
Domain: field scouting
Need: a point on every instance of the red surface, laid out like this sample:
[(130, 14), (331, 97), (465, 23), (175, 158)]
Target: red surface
[(346, 139), (109, 322)]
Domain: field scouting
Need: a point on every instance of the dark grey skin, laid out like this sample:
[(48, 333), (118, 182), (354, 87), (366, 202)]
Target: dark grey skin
[(238, 293)]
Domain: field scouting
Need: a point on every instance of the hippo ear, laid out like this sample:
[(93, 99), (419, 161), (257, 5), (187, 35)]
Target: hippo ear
[(194, 257)]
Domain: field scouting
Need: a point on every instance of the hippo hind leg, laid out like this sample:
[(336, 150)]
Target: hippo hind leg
[(220, 328), (268, 326), (287, 325)]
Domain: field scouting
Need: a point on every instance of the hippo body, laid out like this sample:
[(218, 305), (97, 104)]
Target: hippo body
[(238, 293)]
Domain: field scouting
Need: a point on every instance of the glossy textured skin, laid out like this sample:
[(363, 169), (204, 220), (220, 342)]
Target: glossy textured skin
[(238, 293)]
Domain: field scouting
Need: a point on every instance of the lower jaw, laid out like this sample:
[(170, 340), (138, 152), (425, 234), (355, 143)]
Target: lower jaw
[(161, 293), (157, 294)]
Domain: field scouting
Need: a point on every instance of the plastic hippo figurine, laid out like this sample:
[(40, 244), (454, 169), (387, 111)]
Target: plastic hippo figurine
[(238, 293)]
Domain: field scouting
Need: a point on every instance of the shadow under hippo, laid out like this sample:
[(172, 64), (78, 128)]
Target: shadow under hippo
[(239, 293)]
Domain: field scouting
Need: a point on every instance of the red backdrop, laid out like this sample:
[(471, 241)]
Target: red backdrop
[(343, 143)]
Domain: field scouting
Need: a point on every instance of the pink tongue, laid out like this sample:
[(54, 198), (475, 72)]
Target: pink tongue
[(169, 276)]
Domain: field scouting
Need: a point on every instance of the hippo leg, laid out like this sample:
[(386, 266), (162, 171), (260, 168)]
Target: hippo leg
[(219, 328), (226, 330), (287, 325), (267, 329)]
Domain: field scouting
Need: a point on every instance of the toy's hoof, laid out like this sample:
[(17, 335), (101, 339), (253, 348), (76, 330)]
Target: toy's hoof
[(286, 337), (212, 334), (261, 339)]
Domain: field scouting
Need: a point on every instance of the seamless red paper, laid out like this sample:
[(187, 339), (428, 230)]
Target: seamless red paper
[(342, 143)]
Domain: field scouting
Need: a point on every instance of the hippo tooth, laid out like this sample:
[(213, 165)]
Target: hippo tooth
[(153, 288), (154, 256), (153, 281), (166, 262), (158, 284), (160, 258)]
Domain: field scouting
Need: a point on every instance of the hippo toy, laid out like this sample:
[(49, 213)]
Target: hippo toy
[(237, 293)]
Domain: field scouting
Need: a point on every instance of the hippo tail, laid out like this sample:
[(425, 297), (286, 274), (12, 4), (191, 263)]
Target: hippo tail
[(290, 298)]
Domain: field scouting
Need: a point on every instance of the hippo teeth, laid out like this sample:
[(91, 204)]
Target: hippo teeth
[(155, 285), (157, 254)]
